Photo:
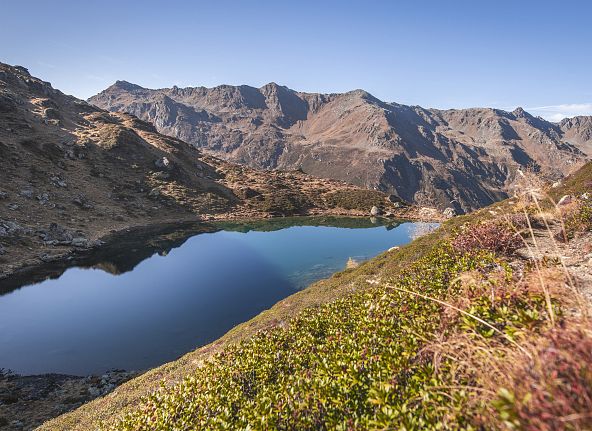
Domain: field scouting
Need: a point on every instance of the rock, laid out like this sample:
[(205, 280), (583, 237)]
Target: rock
[(154, 193), (56, 235), (395, 248), (395, 199), (163, 163), (10, 228), (82, 201), (246, 193), (26, 193), (428, 212), (94, 392), (52, 114), (397, 205), (2, 250), (7, 104), (80, 242), (13, 207), (565, 200), (161, 175), (585, 196), (43, 198), (449, 212), (375, 211), (556, 184), (58, 182), (351, 263), (3, 195)]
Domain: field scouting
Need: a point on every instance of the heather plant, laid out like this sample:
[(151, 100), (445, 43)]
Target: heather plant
[(492, 235)]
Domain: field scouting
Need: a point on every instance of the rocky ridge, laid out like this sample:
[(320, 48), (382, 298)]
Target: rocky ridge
[(459, 158)]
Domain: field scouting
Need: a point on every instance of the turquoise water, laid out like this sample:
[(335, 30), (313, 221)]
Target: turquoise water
[(88, 320)]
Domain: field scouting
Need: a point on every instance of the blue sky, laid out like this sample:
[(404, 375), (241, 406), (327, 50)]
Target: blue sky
[(444, 54)]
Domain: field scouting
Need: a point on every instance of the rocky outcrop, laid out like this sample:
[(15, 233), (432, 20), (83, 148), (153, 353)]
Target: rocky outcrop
[(462, 159)]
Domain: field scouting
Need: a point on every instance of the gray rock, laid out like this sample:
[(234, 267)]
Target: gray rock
[(375, 211), (58, 182), (163, 163), (10, 229), (13, 207), (43, 198), (395, 199), (565, 200), (2, 250), (26, 193), (80, 242), (3, 195), (56, 235), (82, 201), (94, 392), (449, 212), (52, 114)]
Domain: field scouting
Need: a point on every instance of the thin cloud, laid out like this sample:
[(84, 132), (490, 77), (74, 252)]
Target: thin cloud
[(559, 112)]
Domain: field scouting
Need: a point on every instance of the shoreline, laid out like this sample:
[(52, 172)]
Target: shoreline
[(52, 266)]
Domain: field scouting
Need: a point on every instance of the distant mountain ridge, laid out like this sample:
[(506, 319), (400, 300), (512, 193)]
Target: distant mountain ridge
[(464, 158)]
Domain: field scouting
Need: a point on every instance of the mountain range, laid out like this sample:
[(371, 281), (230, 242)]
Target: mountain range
[(459, 158), (73, 174)]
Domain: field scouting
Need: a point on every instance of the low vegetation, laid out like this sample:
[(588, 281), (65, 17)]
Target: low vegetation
[(458, 330)]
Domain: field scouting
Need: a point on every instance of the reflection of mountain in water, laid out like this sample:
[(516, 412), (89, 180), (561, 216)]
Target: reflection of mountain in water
[(269, 225), (123, 251), (120, 253)]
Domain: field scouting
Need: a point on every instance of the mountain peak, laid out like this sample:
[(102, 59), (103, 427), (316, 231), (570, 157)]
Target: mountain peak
[(519, 112), (127, 86)]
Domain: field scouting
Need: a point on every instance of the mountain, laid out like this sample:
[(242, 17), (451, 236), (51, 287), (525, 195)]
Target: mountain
[(72, 173), (464, 158), (578, 131)]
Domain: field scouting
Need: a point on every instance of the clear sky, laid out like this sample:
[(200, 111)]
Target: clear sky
[(440, 53)]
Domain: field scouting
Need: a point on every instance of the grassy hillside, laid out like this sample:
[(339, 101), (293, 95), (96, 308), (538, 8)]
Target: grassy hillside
[(476, 326)]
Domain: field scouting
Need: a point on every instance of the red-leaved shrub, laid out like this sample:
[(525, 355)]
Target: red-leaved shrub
[(556, 392), (495, 236)]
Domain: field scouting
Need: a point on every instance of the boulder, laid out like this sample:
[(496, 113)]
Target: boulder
[(26, 193), (82, 201), (395, 199), (43, 198), (56, 235), (375, 211), (80, 242), (449, 212), (163, 163), (10, 228)]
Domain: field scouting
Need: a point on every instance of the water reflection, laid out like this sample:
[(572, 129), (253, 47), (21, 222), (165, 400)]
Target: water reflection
[(143, 301)]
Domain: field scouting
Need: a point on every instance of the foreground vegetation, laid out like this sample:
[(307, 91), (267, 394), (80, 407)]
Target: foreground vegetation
[(457, 330)]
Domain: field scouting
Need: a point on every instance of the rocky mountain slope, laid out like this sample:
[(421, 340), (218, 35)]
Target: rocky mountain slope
[(461, 158), (72, 173)]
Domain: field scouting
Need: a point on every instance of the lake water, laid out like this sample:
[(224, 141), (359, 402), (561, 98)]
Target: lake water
[(93, 319)]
